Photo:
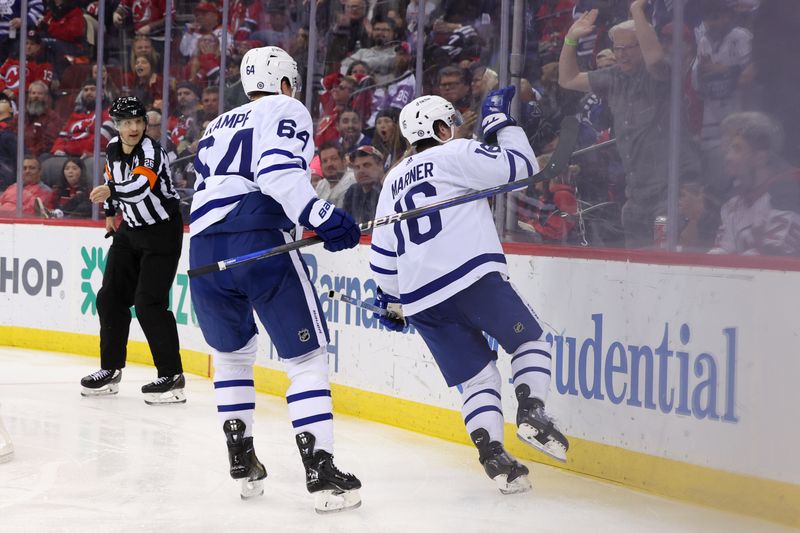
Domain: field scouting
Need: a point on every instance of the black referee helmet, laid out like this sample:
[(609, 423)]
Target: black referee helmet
[(128, 107)]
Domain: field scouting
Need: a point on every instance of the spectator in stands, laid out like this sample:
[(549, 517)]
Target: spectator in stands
[(37, 67), (380, 57), (691, 98), (207, 22), (361, 199), (723, 52), (234, 93), (210, 104), (337, 177), (145, 82), (763, 218), (8, 143), (350, 128), (41, 122), (10, 24), (549, 215), (483, 80), (700, 217), (65, 30), (77, 136), (281, 31), (636, 90), (454, 85), (334, 99), (143, 46), (401, 90), (203, 68), (350, 32), (243, 17), (32, 189), (388, 138), (183, 124), (775, 26), (147, 16), (70, 195), (153, 131), (110, 88)]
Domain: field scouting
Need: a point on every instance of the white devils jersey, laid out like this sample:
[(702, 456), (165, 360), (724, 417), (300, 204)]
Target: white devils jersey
[(265, 146), (426, 260)]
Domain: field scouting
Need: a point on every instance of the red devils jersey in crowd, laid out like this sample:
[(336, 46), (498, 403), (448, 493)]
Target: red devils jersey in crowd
[(77, 137), (144, 12), (9, 74), (244, 16), (180, 128)]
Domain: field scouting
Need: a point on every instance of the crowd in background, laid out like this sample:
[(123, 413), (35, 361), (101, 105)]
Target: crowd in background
[(607, 62)]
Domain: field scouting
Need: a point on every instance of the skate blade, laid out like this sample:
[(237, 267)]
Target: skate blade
[(108, 390), (520, 484), (164, 398), (251, 489), (553, 449), (335, 501)]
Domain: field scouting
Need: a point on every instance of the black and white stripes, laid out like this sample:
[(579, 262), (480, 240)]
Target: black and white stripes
[(141, 183)]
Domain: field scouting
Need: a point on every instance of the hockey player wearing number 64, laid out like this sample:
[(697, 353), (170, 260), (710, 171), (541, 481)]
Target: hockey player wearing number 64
[(252, 189), (448, 271)]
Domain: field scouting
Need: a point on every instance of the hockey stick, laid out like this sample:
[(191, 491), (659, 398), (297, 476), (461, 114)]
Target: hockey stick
[(333, 295), (558, 163)]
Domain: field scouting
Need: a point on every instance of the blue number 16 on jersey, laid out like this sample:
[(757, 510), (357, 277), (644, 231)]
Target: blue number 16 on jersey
[(415, 235)]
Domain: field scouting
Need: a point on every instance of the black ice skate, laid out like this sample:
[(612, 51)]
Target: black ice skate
[(536, 428), (333, 490), (164, 390), (244, 463), (510, 475), (101, 383)]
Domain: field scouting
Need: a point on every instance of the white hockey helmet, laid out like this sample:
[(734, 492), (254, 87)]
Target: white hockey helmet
[(418, 117), (262, 70)]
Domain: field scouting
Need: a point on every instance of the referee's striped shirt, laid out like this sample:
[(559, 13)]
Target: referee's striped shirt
[(141, 183)]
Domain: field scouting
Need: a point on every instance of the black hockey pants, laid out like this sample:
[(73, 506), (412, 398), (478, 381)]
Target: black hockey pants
[(140, 269)]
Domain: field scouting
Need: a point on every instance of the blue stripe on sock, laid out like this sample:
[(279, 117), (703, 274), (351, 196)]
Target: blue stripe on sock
[(528, 352), (235, 407), (531, 369), (488, 391), (311, 419), (480, 410), (307, 394), (234, 383)]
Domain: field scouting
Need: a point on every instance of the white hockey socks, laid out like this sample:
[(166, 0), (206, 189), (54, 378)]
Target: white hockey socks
[(234, 388), (482, 406), (309, 397), (530, 365)]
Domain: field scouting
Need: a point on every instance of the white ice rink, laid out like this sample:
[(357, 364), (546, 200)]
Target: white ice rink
[(116, 464)]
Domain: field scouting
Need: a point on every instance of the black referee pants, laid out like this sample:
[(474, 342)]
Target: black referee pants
[(140, 269)]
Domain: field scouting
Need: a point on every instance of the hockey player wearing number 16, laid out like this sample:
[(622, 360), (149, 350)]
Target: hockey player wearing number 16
[(448, 271), (252, 188)]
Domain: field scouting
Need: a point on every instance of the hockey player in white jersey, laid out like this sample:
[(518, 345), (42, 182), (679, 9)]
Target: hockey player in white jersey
[(252, 188), (448, 271)]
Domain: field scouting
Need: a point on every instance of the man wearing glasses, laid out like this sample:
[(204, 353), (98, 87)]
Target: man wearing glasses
[(637, 92)]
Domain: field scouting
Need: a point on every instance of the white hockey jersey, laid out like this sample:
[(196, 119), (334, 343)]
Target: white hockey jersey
[(264, 145), (426, 260)]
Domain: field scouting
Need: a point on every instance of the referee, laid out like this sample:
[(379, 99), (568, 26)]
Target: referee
[(143, 258)]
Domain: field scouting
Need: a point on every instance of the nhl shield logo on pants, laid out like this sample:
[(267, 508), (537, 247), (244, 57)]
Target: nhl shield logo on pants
[(303, 335)]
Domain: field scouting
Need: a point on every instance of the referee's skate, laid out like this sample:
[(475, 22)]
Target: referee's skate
[(165, 390)]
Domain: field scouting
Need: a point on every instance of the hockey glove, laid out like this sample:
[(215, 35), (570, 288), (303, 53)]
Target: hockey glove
[(334, 226), (393, 319), (496, 111)]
